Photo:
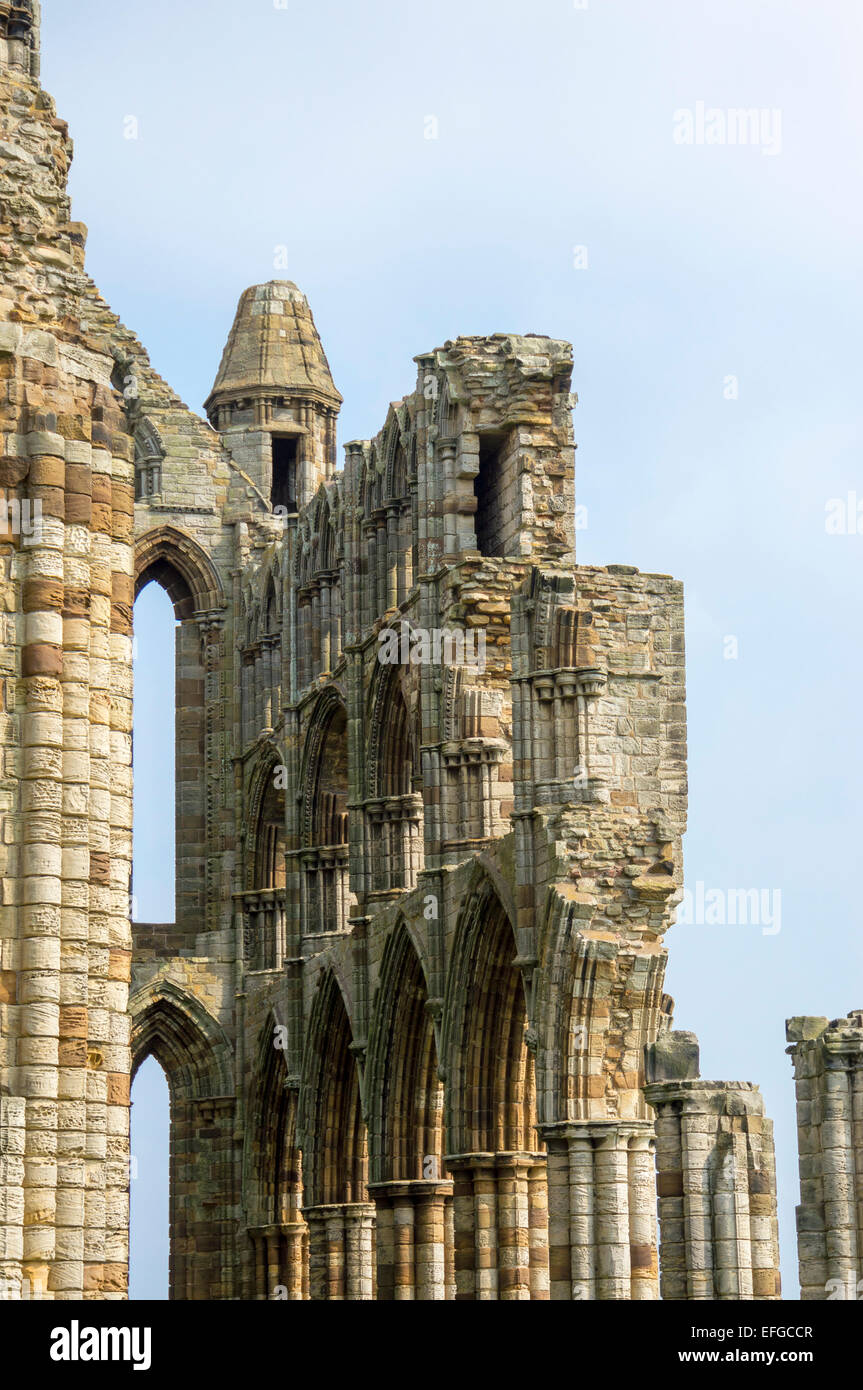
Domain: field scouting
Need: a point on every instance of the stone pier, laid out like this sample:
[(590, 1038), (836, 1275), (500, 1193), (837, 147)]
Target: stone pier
[(716, 1180)]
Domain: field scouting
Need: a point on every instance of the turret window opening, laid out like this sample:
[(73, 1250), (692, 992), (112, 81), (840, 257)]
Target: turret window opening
[(284, 486)]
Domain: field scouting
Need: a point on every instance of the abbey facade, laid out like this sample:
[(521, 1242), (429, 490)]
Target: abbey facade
[(430, 795)]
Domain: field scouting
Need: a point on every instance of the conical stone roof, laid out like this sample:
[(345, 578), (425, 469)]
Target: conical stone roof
[(274, 345)]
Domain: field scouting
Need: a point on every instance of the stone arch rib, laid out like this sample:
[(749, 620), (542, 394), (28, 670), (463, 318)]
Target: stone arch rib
[(189, 1044), (581, 983), (176, 561)]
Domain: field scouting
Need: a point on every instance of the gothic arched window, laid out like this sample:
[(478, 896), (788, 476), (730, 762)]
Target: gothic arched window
[(149, 455)]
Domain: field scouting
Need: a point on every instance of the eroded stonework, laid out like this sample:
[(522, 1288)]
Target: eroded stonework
[(828, 1073), (431, 789)]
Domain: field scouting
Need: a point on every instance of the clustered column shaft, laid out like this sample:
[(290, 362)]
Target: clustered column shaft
[(413, 1237), (828, 1071), (716, 1179), (341, 1244), (499, 1205), (602, 1227)]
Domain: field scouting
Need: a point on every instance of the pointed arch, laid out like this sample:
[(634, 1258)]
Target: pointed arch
[(265, 823), (582, 982), (334, 1140), (272, 1177), (392, 760), (318, 588), (325, 772), (272, 609), (174, 559), (188, 1043), (324, 533), (394, 803), (149, 457), (395, 455), (325, 896), (272, 1180), (262, 658), (405, 1093), (397, 761), (491, 1095), (196, 1056)]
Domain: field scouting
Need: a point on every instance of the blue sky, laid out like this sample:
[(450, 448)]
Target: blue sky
[(291, 140)]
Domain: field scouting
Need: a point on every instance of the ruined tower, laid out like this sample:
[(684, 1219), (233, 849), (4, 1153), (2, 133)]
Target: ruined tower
[(273, 401)]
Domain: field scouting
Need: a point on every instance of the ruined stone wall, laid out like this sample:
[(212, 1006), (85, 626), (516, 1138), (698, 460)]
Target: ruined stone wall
[(430, 795), (534, 780)]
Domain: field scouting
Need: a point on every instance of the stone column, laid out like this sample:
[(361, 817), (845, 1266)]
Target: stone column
[(410, 1230), (326, 626), (279, 1264), (828, 1073), (513, 1223), (716, 1179), (392, 561), (341, 1252), (295, 1260), (12, 1142), (499, 1204), (107, 572), (191, 778), (268, 717), (112, 578), (601, 1198), (47, 975)]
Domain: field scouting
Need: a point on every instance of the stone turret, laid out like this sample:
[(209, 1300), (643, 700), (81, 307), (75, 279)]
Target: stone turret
[(274, 401), (19, 36)]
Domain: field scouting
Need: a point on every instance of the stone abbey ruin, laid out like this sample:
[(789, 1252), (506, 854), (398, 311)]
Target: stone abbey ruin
[(430, 794)]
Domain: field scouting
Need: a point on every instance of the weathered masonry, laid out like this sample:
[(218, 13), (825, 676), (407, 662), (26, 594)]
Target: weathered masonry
[(431, 789), (828, 1069)]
